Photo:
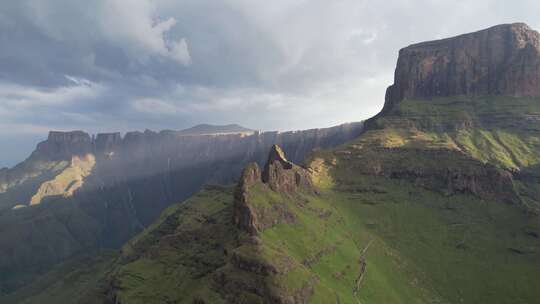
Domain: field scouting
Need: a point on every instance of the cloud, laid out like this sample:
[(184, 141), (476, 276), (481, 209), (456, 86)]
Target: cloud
[(34, 110), (178, 50), (89, 33), (109, 65), (140, 29), (156, 106), (6, 129), (20, 97)]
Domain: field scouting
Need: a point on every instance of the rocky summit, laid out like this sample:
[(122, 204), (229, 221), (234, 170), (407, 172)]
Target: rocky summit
[(501, 60), (281, 176), (436, 200), (240, 266)]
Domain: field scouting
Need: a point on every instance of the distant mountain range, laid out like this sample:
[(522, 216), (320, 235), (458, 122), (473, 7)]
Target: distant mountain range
[(79, 192), (434, 200)]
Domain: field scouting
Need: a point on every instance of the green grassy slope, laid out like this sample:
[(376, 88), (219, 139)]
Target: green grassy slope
[(437, 203), (385, 207), (172, 259), (78, 280), (455, 246), (446, 249)]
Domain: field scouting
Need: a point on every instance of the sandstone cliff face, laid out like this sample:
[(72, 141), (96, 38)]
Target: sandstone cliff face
[(145, 154), (501, 60), (64, 145), (162, 151), (68, 181)]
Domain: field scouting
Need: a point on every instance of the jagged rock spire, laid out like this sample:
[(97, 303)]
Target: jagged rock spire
[(282, 175), (279, 175), (275, 156)]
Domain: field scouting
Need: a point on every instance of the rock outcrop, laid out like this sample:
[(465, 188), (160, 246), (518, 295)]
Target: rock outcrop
[(283, 176), (64, 145), (279, 175), (245, 217), (68, 181), (445, 171), (501, 60), (107, 143)]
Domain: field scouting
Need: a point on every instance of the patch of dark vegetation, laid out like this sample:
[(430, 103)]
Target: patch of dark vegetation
[(522, 250), (533, 232)]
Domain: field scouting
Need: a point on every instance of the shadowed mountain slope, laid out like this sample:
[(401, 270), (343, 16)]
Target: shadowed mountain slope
[(92, 192), (438, 201)]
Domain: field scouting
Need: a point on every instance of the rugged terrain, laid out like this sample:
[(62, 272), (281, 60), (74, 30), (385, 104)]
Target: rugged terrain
[(77, 192), (437, 201)]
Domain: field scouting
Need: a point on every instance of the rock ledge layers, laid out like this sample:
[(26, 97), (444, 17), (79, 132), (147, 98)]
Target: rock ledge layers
[(500, 60)]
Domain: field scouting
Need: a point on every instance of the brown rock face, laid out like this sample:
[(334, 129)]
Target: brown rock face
[(107, 143), (279, 175), (64, 145), (501, 60), (245, 216), (283, 176)]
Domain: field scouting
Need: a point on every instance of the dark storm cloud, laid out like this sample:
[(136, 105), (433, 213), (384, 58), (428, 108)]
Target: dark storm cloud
[(110, 65)]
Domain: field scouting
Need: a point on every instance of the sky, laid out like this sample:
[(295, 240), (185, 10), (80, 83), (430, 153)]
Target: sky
[(121, 65)]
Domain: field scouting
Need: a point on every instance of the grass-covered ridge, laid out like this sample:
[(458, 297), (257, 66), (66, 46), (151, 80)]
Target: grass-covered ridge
[(436, 203), (174, 259), (497, 129), (390, 224), (432, 248)]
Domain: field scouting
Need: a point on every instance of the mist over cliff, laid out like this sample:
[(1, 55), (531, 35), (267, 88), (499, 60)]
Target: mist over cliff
[(98, 191)]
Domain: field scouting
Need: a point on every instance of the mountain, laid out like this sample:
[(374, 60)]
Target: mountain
[(436, 202), (206, 129), (142, 154), (78, 193), (501, 60)]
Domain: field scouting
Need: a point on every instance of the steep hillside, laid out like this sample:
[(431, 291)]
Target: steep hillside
[(78, 192), (343, 230), (273, 240), (438, 201)]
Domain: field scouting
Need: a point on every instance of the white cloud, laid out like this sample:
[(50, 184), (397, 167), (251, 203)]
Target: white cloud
[(178, 50), (283, 64), (137, 24), (20, 97), (23, 128), (156, 106), (134, 26)]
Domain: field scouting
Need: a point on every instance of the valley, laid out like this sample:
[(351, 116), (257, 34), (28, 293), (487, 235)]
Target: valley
[(434, 200)]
